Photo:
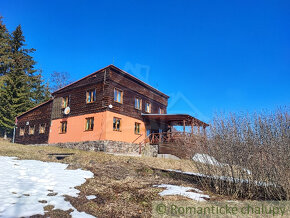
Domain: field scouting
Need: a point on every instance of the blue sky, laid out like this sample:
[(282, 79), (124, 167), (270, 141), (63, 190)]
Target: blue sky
[(209, 56)]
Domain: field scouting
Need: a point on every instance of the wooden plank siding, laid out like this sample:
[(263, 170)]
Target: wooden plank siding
[(131, 90), (77, 102), (35, 117), (105, 82)]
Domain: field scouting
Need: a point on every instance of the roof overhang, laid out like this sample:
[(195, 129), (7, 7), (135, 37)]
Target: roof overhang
[(175, 119), (124, 73)]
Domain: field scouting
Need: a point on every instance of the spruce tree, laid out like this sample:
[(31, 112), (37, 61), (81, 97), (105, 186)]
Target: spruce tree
[(5, 49), (24, 65), (21, 85)]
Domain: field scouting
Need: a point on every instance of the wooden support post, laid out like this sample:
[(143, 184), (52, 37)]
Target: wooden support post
[(183, 126), (192, 127), (204, 132), (198, 130), (169, 134)]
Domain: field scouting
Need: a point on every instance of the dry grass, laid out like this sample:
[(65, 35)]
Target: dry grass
[(122, 184)]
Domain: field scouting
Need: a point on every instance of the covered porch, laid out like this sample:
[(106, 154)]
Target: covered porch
[(161, 128)]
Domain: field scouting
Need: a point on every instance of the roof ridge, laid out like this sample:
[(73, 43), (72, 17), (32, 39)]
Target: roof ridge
[(126, 73)]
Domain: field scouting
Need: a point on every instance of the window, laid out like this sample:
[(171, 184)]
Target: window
[(91, 96), (89, 123), (63, 127), (42, 128), (21, 131), (161, 111), (117, 124), (118, 96), (64, 102), (137, 128), (148, 107), (138, 103), (31, 130)]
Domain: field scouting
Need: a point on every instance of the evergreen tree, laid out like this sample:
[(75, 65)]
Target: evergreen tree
[(21, 85), (5, 49), (13, 98), (39, 90)]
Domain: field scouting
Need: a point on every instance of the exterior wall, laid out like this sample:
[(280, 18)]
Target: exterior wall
[(103, 129), (127, 133), (35, 117), (76, 129)]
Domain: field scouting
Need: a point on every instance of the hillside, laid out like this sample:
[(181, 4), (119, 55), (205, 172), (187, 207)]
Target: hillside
[(122, 185)]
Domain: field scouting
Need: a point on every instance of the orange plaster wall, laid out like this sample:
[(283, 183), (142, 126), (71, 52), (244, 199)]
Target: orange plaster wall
[(103, 129), (76, 129), (127, 133)]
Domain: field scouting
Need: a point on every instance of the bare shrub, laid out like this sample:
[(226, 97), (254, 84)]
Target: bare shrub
[(254, 155)]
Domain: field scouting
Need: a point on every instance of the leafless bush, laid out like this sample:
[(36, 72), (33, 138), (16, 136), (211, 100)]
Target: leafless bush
[(252, 153)]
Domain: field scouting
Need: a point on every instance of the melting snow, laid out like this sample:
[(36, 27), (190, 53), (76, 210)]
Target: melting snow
[(206, 159), (23, 183), (225, 178), (91, 197), (183, 191)]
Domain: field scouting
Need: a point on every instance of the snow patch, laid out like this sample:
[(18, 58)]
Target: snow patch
[(183, 191), (91, 197), (225, 178), (207, 159), (26, 183)]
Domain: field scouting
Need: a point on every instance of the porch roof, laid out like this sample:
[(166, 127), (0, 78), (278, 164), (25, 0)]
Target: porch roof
[(176, 119)]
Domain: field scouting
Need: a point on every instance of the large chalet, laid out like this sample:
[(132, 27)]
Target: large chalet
[(107, 105)]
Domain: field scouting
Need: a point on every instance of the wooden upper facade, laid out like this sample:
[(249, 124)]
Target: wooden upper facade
[(105, 83)]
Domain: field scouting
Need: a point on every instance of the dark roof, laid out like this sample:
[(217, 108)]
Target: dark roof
[(124, 73), (35, 107), (175, 119)]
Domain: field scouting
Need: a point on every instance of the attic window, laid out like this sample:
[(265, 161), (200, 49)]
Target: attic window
[(91, 96), (138, 103), (148, 107), (64, 102), (118, 96)]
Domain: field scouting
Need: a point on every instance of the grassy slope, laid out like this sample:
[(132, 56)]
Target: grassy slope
[(122, 184)]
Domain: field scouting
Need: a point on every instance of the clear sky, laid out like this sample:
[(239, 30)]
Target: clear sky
[(208, 56)]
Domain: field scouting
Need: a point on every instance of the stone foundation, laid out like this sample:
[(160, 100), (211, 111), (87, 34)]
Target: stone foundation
[(101, 145), (110, 147)]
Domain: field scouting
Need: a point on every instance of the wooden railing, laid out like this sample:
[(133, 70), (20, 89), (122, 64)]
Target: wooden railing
[(137, 138), (165, 137)]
